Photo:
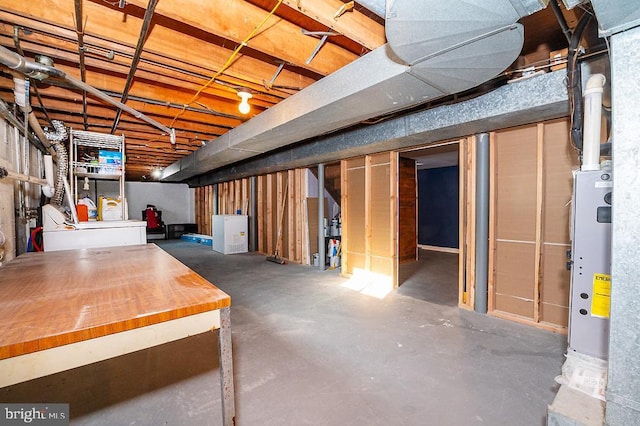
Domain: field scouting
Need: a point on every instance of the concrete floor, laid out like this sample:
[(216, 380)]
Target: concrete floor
[(308, 351)]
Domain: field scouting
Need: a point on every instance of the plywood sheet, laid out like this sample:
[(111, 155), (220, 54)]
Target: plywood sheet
[(382, 158), (357, 261), (382, 265), (559, 160), (556, 278), (312, 221), (514, 305), (554, 314), (515, 265), (355, 211), (380, 211), (407, 223), (515, 174)]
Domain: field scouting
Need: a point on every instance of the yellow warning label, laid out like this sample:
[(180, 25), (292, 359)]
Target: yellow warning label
[(601, 300)]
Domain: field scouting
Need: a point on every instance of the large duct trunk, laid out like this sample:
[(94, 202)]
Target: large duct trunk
[(435, 49)]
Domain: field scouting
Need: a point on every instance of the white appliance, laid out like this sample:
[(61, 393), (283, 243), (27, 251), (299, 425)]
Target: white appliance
[(230, 233), (59, 234)]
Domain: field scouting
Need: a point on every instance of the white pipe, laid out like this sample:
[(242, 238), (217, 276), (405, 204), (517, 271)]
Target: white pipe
[(592, 122)]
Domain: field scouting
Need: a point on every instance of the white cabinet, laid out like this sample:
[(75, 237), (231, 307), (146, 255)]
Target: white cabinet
[(230, 233)]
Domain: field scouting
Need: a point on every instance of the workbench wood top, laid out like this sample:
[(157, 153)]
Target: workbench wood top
[(50, 299)]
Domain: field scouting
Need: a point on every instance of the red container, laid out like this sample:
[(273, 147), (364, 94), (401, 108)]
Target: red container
[(83, 212)]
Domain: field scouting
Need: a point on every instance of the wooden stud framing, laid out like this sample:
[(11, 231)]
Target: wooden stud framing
[(491, 299), (539, 210), (344, 204)]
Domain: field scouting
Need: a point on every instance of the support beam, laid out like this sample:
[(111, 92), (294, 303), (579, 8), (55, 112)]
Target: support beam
[(482, 222), (321, 247), (253, 214)]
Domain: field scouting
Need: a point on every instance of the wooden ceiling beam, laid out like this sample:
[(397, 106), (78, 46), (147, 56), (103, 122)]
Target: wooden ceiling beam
[(63, 50), (235, 19), (110, 33), (353, 24)]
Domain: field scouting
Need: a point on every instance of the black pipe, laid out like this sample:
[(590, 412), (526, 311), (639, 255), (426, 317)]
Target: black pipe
[(83, 69), (574, 77), (561, 21), (148, 14)]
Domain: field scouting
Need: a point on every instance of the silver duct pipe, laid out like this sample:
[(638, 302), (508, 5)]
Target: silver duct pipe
[(56, 138), (33, 69), (434, 50)]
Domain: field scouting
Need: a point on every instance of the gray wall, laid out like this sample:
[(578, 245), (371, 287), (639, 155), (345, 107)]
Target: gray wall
[(176, 201)]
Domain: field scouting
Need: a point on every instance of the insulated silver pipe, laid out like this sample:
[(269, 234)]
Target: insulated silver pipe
[(19, 63)]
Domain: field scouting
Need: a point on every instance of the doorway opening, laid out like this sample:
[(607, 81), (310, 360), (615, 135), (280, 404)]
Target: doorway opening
[(434, 274)]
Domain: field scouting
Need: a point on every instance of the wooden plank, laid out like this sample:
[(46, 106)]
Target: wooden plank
[(261, 207), (284, 41), (368, 231), (291, 216), (299, 214), (407, 211), (354, 25), (492, 223), (471, 225), (280, 224), (539, 221), (462, 225), (344, 205), (270, 213), (393, 216), (527, 321)]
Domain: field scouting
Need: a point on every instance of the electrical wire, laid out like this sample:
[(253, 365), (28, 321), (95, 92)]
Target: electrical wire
[(228, 63)]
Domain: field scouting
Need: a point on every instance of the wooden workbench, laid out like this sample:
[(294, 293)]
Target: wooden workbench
[(64, 309)]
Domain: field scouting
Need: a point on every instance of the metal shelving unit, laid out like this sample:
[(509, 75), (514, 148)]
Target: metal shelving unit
[(84, 160)]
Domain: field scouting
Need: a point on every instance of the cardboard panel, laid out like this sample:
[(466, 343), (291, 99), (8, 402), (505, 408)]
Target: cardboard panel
[(559, 160), (556, 279), (312, 221), (513, 305), (357, 261), (554, 314), (382, 158), (382, 265), (355, 212), (515, 175), (407, 223), (515, 266), (380, 219), (355, 162)]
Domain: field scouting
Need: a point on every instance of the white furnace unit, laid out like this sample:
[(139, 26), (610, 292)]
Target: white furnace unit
[(230, 233), (591, 263)]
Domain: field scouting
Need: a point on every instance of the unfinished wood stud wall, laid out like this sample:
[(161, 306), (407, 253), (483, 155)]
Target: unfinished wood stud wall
[(281, 214), (531, 187), (467, 223), (369, 221)]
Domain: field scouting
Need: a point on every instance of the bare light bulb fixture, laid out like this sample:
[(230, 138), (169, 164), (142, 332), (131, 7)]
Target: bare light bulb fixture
[(244, 106), (156, 173)]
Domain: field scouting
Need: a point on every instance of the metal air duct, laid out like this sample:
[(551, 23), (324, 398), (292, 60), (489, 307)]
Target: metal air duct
[(435, 49)]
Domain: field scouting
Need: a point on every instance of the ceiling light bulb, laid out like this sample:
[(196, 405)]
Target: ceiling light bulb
[(244, 106), (156, 173)]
